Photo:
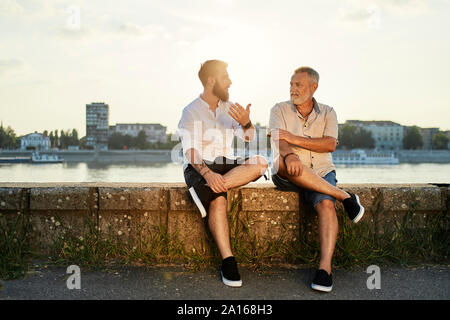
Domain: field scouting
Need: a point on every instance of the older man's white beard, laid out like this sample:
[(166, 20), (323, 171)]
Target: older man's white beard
[(299, 100), (221, 93)]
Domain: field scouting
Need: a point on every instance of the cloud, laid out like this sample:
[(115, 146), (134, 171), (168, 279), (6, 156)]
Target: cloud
[(361, 10), (9, 66), (406, 7), (151, 31), (10, 7), (353, 14), (371, 13)]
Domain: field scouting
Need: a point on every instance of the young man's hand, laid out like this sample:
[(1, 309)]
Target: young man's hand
[(238, 113), (215, 181), (293, 165)]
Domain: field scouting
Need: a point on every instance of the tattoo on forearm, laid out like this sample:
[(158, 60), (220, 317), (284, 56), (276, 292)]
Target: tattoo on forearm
[(197, 162), (201, 168)]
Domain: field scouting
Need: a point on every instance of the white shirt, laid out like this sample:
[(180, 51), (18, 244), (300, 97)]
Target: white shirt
[(210, 134)]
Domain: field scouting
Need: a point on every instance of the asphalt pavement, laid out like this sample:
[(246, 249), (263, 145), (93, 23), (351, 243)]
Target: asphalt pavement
[(274, 283)]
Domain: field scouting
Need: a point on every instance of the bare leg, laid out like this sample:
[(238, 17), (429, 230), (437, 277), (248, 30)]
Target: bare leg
[(310, 180), (218, 225), (254, 167), (328, 231)]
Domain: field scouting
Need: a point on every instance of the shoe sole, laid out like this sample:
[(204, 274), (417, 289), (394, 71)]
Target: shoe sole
[(230, 283), (361, 212), (321, 288), (197, 201)]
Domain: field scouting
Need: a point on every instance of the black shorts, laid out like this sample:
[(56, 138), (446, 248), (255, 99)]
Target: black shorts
[(220, 165)]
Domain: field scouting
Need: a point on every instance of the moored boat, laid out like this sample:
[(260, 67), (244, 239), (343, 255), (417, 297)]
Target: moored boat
[(15, 159), (359, 156), (45, 158)]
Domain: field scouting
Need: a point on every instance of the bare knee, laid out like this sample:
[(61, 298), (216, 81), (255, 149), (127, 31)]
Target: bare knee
[(260, 162), (219, 202), (326, 207)]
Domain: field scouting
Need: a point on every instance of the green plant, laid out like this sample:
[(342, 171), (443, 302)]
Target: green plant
[(15, 251)]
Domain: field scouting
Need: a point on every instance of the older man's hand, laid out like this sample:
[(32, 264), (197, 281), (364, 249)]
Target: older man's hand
[(294, 166), (287, 136)]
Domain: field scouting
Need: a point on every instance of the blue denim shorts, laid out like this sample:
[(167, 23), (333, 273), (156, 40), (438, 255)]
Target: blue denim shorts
[(312, 197)]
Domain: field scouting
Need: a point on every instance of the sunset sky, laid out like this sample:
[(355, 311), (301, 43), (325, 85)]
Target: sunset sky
[(378, 60)]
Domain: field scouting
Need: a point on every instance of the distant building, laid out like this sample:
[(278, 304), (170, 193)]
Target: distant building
[(97, 121), (154, 132), (447, 133), (427, 137), (388, 135), (37, 140)]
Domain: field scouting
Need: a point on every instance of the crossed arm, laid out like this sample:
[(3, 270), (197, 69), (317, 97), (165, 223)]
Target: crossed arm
[(324, 144), (293, 164)]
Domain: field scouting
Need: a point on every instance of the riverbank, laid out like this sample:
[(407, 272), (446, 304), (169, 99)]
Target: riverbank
[(423, 156), (153, 156)]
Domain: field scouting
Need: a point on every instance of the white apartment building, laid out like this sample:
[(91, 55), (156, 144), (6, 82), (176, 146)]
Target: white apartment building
[(388, 135), (37, 140), (154, 132)]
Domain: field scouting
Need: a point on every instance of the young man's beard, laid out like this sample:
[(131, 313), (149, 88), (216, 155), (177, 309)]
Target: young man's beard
[(222, 94)]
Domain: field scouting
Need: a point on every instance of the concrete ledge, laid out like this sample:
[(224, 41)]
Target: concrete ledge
[(259, 213)]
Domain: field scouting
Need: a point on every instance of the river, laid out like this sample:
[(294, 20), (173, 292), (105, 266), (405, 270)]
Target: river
[(172, 172)]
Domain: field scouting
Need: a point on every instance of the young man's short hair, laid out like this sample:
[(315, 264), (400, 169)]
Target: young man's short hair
[(313, 74), (210, 68)]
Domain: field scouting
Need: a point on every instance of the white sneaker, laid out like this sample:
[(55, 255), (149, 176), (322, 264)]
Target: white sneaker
[(197, 201)]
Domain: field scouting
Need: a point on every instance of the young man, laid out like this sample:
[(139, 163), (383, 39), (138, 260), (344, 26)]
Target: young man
[(207, 127), (303, 135)]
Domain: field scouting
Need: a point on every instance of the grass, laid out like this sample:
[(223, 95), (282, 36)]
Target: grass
[(15, 251), (411, 239)]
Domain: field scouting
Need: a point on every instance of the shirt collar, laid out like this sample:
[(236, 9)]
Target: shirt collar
[(316, 108), (220, 105)]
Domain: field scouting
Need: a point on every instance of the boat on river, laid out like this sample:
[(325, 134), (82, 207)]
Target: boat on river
[(360, 156), (45, 158), (15, 159)]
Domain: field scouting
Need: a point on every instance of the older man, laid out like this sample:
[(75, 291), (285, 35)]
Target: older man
[(303, 135), (207, 127)]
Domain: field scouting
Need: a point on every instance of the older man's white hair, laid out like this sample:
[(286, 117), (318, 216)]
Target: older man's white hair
[(313, 74)]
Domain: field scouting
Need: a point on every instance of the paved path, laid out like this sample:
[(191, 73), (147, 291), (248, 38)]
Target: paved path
[(281, 283)]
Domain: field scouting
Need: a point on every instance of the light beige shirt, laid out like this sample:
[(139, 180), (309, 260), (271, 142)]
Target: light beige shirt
[(322, 121)]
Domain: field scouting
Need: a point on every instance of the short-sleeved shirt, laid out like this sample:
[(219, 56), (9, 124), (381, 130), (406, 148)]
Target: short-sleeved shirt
[(321, 122), (210, 134)]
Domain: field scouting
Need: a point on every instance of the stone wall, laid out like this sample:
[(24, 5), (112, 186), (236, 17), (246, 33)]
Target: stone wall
[(258, 213)]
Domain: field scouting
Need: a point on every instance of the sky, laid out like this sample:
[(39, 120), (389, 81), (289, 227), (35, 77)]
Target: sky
[(377, 60)]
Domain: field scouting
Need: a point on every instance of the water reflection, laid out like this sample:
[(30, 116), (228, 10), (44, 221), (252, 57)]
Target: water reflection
[(173, 172)]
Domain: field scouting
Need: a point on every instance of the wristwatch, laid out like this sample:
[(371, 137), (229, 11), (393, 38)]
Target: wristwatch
[(248, 125)]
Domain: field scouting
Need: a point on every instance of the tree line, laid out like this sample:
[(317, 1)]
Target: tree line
[(58, 139), (350, 137), (353, 137), (118, 141)]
